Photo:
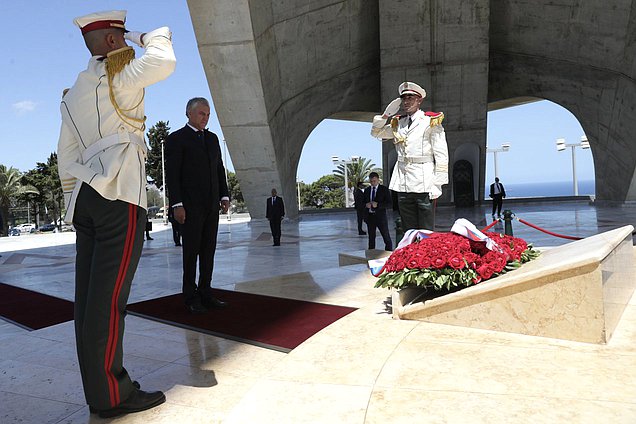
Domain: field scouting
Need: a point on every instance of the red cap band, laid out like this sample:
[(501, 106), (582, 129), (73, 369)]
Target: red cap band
[(93, 26)]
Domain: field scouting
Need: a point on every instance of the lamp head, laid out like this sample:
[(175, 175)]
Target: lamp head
[(585, 144), (560, 142)]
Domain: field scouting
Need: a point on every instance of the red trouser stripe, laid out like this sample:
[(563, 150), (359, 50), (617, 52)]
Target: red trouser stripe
[(113, 330)]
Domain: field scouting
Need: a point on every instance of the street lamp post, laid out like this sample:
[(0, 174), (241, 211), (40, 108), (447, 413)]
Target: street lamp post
[(298, 187), (229, 210), (336, 161), (163, 187), (562, 145), (504, 148)]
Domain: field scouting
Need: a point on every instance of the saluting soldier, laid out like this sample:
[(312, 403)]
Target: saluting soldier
[(101, 156), (422, 155)]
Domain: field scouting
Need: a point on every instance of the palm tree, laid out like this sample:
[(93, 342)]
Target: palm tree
[(10, 188), (357, 172)]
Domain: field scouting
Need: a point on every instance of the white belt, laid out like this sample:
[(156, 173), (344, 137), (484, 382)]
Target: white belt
[(415, 159), (102, 144)]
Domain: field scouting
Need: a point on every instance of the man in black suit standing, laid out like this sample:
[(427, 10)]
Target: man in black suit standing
[(275, 213), (497, 193), (377, 200), (358, 203), (197, 186)]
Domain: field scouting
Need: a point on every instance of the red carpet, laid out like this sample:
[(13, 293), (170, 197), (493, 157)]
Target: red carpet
[(272, 322), (33, 310)]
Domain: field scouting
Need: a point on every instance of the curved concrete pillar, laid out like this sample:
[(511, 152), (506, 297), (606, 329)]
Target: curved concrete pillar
[(580, 55), (277, 69)]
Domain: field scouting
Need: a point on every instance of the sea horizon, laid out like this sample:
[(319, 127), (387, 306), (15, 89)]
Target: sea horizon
[(547, 189)]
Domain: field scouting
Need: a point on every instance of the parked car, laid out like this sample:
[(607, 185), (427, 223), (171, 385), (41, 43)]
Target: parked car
[(152, 211), (47, 227), (26, 228), (160, 213)]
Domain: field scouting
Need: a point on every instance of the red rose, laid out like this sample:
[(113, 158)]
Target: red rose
[(456, 261), (485, 271), (438, 262)]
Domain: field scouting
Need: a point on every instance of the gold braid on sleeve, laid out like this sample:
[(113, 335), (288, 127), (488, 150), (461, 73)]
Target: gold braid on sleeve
[(115, 63), (397, 138)]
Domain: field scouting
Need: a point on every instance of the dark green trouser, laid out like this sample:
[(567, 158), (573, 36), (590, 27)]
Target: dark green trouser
[(416, 211), (108, 247)]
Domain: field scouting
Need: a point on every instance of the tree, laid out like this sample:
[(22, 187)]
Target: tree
[(49, 194), (357, 172), (10, 188), (327, 192), (235, 189), (156, 134)]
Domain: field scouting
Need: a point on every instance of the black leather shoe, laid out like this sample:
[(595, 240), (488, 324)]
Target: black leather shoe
[(196, 307), (92, 410), (136, 402), (362, 233), (212, 302)]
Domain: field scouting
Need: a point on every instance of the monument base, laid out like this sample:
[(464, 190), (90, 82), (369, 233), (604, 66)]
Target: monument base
[(577, 291)]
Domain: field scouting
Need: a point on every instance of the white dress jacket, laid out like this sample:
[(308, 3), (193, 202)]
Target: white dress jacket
[(422, 164), (96, 145)]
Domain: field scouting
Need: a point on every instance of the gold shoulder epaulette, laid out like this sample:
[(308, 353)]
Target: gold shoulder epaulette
[(436, 118)]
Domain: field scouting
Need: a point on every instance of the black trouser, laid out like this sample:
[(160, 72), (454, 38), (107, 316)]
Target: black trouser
[(497, 202), (274, 226), (199, 232), (378, 220), (360, 213), (416, 211), (110, 236), (176, 232)]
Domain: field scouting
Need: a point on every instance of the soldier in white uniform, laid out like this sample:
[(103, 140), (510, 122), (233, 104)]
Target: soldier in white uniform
[(422, 163), (101, 159)]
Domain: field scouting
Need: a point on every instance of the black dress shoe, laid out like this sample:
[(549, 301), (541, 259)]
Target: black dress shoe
[(92, 410), (136, 402), (212, 302), (362, 233), (196, 307)]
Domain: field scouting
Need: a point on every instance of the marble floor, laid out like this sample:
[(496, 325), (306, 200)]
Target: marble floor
[(364, 368)]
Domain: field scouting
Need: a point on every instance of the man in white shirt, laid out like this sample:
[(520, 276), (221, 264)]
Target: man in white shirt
[(101, 160), (497, 194)]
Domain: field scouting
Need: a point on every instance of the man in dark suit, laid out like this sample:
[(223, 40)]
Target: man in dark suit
[(497, 193), (275, 213), (358, 203), (197, 186), (377, 200)]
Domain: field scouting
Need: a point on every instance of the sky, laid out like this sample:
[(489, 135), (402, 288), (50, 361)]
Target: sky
[(44, 52)]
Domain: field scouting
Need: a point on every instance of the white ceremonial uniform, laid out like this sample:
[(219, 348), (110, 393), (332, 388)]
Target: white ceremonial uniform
[(96, 145), (422, 164)]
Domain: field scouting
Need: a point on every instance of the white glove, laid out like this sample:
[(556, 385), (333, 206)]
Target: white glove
[(440, 178), (134, 37), (393, 107), (435, 192)]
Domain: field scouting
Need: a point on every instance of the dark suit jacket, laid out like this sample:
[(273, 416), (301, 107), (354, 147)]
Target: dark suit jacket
[(382, 196), (358, 199), (277, 210), (501, 187), (194, 170)]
